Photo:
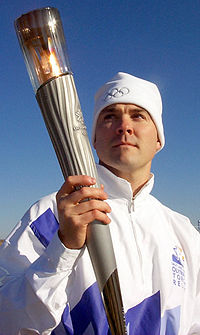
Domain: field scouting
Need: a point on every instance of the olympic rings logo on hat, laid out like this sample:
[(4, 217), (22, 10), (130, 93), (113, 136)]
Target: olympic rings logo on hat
[(116, 93)]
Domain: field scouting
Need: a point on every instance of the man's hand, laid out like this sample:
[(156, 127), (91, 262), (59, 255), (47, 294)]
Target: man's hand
[(75, 214)]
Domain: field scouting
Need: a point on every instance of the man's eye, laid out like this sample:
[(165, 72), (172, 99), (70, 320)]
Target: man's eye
[(138, 116), (108, 116)]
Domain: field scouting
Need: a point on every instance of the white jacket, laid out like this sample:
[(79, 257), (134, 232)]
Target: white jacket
[(45, 286)]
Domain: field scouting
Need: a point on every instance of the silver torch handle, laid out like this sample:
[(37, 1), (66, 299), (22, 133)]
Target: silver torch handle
[(41, 35)]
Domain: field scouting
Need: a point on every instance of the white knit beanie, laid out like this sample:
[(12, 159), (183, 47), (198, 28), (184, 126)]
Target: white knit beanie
[(125, 88)]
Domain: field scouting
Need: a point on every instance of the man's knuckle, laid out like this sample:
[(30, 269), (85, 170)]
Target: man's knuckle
[(68, 180), (84, 192), (95, 213)]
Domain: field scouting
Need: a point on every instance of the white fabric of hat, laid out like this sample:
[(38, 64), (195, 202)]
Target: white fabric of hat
[(125, 88)]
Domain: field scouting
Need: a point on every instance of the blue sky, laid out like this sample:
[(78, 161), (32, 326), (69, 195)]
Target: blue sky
[(156, 40)]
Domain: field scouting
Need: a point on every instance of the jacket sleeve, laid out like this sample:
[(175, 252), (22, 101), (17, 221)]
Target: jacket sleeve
[(33, 277)]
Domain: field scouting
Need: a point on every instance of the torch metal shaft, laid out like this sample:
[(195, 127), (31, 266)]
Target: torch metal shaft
[(59, 103)]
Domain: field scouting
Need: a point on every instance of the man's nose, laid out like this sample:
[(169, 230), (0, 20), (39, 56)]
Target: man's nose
[(124, 128)]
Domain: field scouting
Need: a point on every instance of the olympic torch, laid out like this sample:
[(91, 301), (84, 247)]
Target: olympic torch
[(42, 41)]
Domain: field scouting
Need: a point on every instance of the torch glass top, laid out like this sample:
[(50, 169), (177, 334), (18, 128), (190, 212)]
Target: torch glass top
[(42, 41)]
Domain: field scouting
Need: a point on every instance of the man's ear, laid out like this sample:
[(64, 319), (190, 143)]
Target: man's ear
[(158, 145)]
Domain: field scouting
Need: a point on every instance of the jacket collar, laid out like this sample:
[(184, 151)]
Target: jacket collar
[(117, 187)]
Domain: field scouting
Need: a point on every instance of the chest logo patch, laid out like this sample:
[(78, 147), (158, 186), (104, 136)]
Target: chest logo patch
[(178, 267)]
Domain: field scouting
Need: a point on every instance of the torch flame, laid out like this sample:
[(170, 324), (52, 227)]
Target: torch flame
[(55, 68)]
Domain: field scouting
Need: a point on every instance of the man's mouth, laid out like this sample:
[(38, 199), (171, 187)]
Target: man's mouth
[(124, 144)]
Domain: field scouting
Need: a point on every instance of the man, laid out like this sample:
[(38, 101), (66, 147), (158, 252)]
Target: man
[(47, 280)]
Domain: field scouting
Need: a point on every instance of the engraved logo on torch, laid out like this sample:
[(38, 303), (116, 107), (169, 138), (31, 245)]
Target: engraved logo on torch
[(79, 118)]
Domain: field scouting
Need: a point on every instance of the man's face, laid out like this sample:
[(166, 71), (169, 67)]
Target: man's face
[(126, 139)]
